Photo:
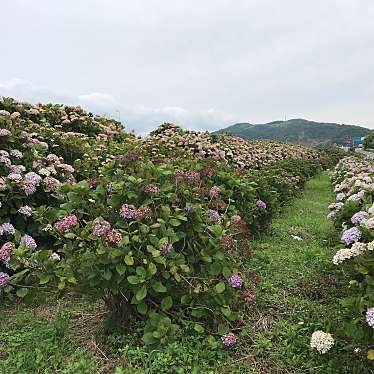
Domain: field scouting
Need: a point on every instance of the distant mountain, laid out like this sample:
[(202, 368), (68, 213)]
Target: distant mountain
[(299, 131)]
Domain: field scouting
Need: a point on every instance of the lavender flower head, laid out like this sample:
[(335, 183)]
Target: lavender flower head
[(28, 241), (351, 235), (16, 153), (260, 204), (8, 228), (33, 178), (25, 211), (213, 215), (4, 279), (5, 132), (100, 227), (128, 211), (214, 191), (370, 317), (166, 248), (340, 196), (358, 217), (236, 219), (228, 339), (235, 281), (354, 197)]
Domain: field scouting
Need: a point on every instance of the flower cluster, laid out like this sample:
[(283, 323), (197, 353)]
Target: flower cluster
[(28, 241), (322, 341), (4, 280), (235, 281), (228, 339), (261, 204), (370, 317), (25, 211), (354, 213), (66, 223)]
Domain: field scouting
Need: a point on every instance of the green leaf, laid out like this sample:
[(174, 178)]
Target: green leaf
[(44, 279), (220, 287), (70, 235), (100, 250), (133, 279), (141, 271), (175, 222), (22, 292), (166, 303), (159, 287), (61, 285), (121, 269), (142, 308), (198, 328), (152, 268), (226, 272), (129, 260), (141, 294), (72, 280), (226, 311), (107, 275)]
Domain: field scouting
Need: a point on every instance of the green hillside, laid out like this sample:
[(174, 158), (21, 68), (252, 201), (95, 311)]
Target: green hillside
[(299, 131)]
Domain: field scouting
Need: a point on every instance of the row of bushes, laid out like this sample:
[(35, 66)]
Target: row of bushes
[(155, 227), (353, 213)]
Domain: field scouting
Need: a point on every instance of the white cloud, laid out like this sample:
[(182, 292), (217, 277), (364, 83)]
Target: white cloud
[(139, 118)]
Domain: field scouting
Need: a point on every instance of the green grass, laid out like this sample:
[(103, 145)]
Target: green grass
[(298, 294)]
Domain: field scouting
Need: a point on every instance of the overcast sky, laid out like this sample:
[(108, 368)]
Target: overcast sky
[(204, 64)]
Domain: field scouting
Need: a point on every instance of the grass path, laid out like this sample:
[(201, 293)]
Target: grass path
[(298, 294), (299, 291)]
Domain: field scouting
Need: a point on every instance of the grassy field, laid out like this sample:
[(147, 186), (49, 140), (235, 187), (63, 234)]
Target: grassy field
[(298, 294)]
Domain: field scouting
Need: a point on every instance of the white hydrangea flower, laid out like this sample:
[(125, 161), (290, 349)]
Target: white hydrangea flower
[(347, 253), (369, 223), (321, 341)]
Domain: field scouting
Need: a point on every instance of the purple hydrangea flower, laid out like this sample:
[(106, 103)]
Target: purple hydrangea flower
[(260, 204), (358, 217), (351, 235), (370, 317), (28, 242), (4, 279), (25, 211), (214, 216), (33, 178), (8, 228), (128, 211), (228, 339), (236, 219), (100, 227), (235, 281), (166, 248), (16, 153), (5, 132), (214, 191)]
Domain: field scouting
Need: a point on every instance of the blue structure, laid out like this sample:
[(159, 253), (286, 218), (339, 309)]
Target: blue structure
[(357, 140)]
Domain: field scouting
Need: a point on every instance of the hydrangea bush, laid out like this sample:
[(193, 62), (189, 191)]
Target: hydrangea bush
[(353, 213), (156, 227)]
